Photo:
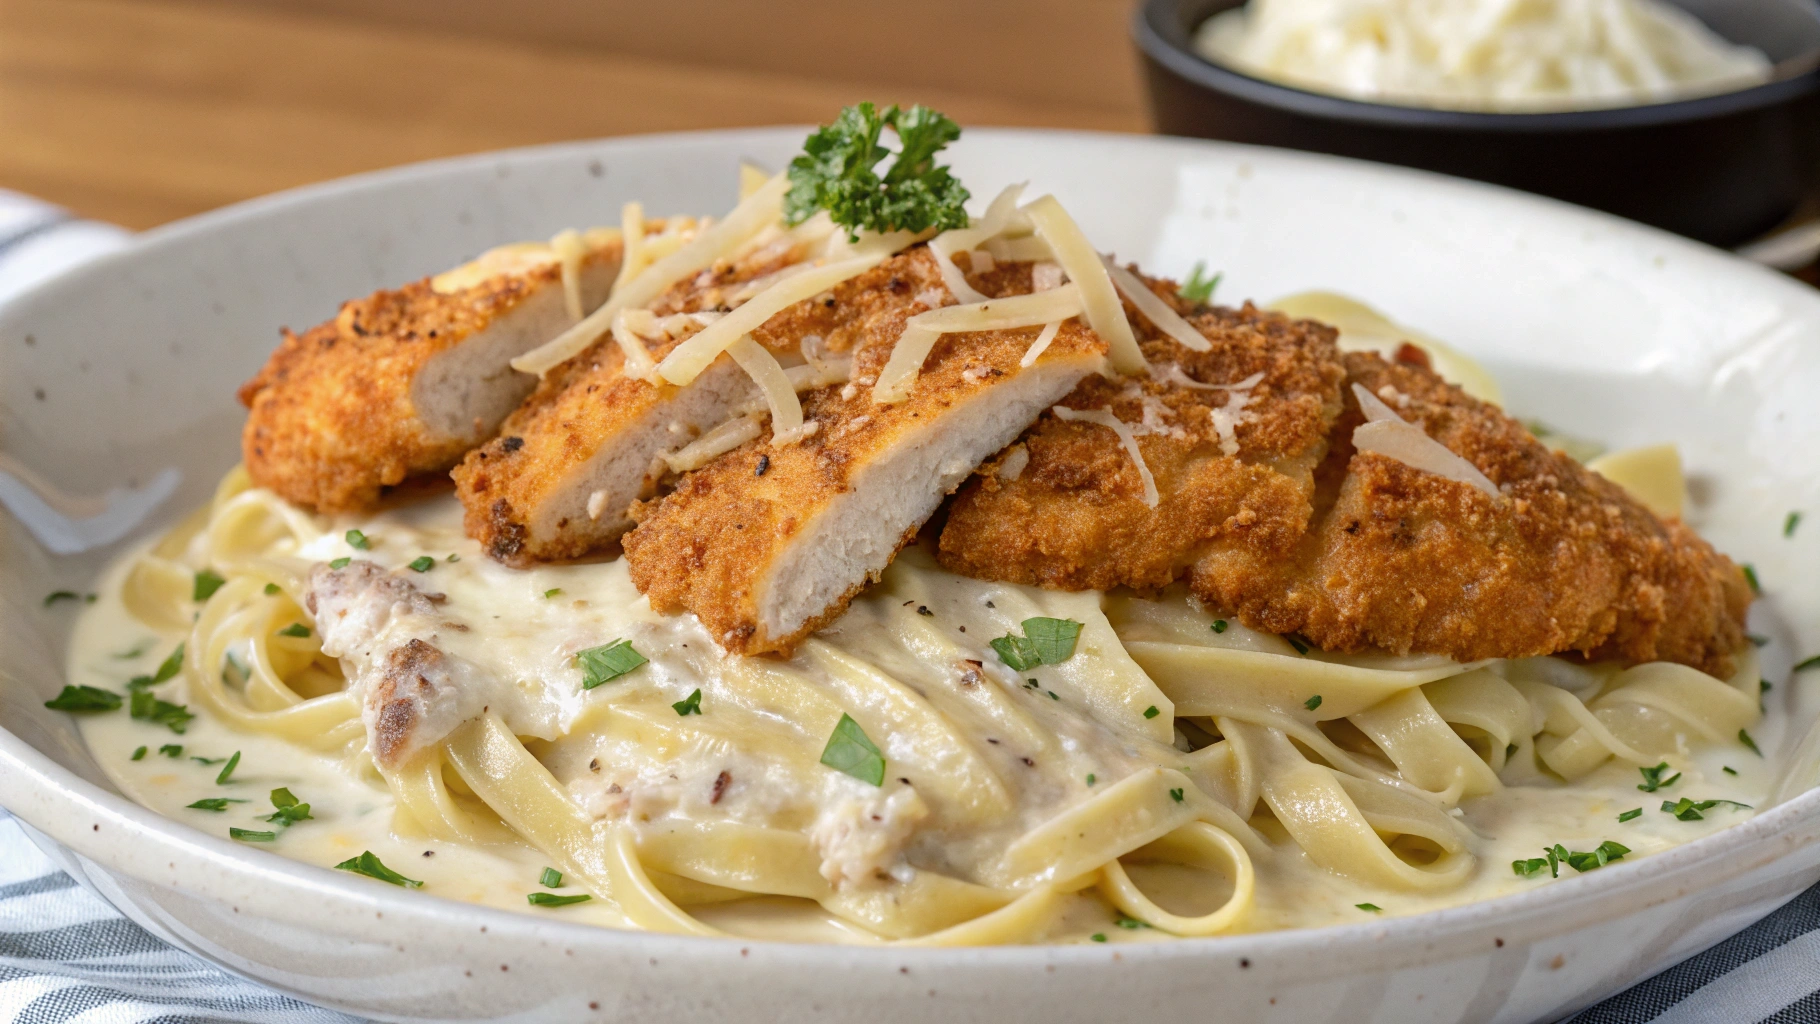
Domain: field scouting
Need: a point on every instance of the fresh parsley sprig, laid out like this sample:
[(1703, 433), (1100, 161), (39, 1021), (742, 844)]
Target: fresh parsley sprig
[(837, 173), (1045, 641)]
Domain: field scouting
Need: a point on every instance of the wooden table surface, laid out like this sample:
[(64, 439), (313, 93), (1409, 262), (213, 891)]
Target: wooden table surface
[(142, 111)]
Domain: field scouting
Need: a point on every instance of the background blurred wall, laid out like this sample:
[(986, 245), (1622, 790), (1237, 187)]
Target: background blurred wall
[(142, 111)]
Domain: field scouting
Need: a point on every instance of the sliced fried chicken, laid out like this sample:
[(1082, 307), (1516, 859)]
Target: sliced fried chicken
[(1230, 438), (1405, 560), (768, 543), (589, 442), (405, 381)]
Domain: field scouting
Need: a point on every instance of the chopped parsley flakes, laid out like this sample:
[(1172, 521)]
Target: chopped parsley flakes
[(550, 899), (552, 592), (1199, 288), (370, 866), (247, 835), (851, 751), (60, 595), (148, 708), (84, 698), (1789, 523), (1219, 625), (423, 563), (551, 879), (1177, 795), (1295, 642), (1151, 711), (340, 563), (139, 754), (296, 629), (836, 173), (1750, 577), (607, 662), (1370, 907), (214, 803), (690, 705), (227, 770), (357, 540), (1689, 810), (1744, 738), (1045, 641), (1634, 812), (290, 810), (1653, 780), (207, 582), (1807, 663), (1312, 702)]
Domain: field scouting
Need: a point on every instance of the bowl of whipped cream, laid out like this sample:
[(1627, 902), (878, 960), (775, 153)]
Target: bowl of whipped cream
[(1698, 116)]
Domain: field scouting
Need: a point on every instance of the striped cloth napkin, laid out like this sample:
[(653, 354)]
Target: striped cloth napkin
[(65, 955)]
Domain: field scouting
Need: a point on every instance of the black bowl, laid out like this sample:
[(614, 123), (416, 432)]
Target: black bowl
[(1722, 169)]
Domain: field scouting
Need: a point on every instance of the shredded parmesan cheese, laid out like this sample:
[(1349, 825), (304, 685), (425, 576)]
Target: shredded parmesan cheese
[(639, 363), (708, 447), (1172, 374), (922, 330), (1028, 249), (775, 385), (751, 216), (1127, 438), (1013, 466), (597, 503), (569, 250), (1387, 434), (1147, 302), (945, 245), (1226, 420), (1041, 344), (1100, 302)]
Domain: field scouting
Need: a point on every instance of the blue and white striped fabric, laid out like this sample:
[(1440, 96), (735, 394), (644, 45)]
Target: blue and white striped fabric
[(67, 956)]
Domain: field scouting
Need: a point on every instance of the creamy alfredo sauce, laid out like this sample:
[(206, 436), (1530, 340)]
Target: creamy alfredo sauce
[(525, 624)]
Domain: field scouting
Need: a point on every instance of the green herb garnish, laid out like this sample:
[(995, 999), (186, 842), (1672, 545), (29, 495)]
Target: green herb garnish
[(1219, 625), (690, 705), (1605, 853), (339, 563), (1757, 641), (60, 595), (550, 899), (207, 582), (1098, 936), (1750, 577), (169, 667), (214, 803), (551, 879), (290, 810), (296, 629), (1744, 738), (1371, 907), (552, 592), (1689, 810), (227, 770), (356, 540), (1199, 288), (1312, 702), (607, 662), (1092, 778), (1045, 641), (1529, 868), (1728, 769), (836, 173), (207, 760), (851, 751), (1151, 711), (1635, 812), (273, 590), (1807, 663), (1653, 780), (139, 754), (247, 835), (1789, 522), (171, 750), (85, 698), (1300, 647), (148, 708), (423, 563), (369, 865), (1177, 795)]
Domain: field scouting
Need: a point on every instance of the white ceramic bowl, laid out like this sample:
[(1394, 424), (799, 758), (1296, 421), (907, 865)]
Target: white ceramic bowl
[(1599, 327)]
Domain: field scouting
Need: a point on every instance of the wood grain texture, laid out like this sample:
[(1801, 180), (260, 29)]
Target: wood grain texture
[(143, 111)]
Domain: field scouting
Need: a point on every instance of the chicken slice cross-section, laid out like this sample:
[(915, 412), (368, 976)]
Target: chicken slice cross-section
[(768, 543), (402, 383)]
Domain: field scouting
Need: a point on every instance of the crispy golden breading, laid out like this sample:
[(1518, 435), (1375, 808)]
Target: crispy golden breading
[(1402, 560), (400, 383), (767, 544), (589, 428), (1074, 517)]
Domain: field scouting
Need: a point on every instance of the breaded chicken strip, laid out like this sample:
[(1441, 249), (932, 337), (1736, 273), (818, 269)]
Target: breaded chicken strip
[(568, 464), (1233, 467), (767, 544), (1403, 560), (403, 382)]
